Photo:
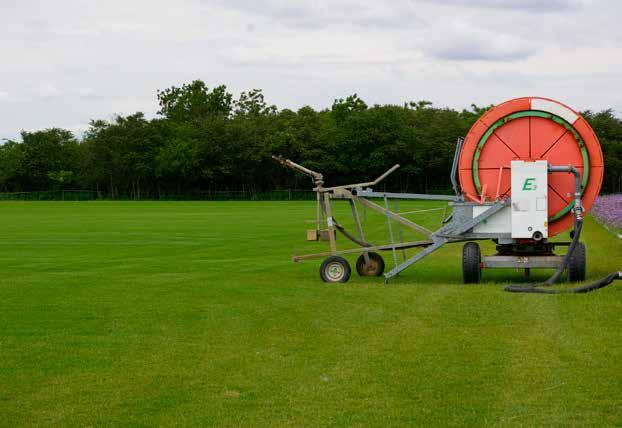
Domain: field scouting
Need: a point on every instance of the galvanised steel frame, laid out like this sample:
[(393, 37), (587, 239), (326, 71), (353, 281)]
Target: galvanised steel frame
[(459, 227)]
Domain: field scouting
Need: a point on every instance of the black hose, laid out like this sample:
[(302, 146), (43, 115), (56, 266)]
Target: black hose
[(537, 287), (351, 237), (601, 283)]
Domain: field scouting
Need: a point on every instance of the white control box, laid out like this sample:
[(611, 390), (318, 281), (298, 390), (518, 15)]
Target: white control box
[(529, 199)]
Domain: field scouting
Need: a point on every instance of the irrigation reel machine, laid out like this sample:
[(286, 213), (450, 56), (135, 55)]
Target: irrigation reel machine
[(528, 169)]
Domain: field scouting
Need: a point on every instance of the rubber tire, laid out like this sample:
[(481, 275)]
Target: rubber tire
[(471, 263), (373, 257), (326, 264), (577, 264)]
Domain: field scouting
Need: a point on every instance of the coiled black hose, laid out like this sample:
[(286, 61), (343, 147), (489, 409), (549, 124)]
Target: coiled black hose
[(539, 287)]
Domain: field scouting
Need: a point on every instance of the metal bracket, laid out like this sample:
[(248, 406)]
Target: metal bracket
[(445, 234)]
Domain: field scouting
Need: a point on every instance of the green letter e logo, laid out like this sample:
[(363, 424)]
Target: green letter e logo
[(529, 184)]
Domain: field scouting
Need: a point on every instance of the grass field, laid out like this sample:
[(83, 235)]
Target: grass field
[(147, 313)]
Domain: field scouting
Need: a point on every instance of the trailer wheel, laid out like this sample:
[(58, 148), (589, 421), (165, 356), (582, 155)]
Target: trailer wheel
[(471, 263), (375, 267), (577, 263), (335, 269)]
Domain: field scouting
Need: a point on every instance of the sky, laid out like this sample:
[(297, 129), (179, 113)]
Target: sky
[(65, 62)]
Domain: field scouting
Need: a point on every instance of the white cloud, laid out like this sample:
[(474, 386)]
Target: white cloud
[(463, 42), (314, 14), (46, 91), (69, 61), (86, 93), (5, 96), (537, 6)]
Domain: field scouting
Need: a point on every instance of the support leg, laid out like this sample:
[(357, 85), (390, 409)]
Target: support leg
[(386, 205), (318, 214), (414, 259), (399, 229), (359, 228), (330, 224)]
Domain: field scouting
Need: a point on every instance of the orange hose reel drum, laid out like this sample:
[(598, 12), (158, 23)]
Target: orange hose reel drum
[(529, 129)]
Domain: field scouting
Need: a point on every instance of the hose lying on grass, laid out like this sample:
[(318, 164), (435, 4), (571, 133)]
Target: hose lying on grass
[(539, 287), (578, 225)]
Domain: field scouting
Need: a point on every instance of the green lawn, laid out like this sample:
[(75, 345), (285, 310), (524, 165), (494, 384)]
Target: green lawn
[(165, 313)]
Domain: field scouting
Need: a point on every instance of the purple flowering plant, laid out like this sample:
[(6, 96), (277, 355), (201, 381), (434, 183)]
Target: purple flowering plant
[(608, 210)]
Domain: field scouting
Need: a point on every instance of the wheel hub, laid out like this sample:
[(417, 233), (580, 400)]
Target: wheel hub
[(371, 267), (335, 271)]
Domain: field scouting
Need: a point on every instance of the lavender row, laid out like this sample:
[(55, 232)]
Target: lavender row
[(608, 209)]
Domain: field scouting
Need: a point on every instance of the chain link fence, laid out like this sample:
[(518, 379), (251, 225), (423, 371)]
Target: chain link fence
[(51, 195), (209, 195)]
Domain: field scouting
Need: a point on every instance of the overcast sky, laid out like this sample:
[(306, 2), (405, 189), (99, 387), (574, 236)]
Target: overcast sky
[(65, 62)]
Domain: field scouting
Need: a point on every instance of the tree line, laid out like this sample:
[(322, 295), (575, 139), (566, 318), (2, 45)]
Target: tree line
[(204, 139)]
